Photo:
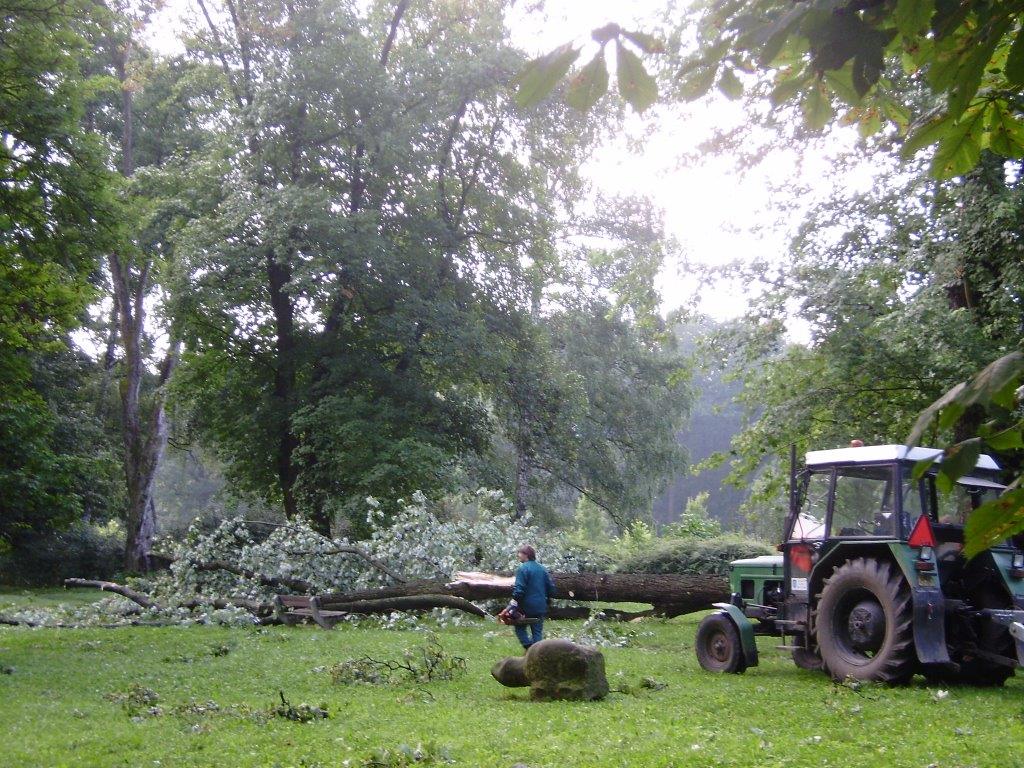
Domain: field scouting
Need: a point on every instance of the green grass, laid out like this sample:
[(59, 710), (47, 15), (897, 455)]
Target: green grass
[(54, 709), (14, 598)]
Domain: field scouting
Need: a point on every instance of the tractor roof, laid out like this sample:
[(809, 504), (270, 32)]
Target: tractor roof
[(875, 453)]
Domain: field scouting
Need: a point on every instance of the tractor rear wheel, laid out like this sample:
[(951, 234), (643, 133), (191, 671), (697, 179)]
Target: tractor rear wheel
[(864, 623), (718, 645)]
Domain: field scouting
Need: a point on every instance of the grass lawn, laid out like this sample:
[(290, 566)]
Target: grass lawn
[(59, 706)]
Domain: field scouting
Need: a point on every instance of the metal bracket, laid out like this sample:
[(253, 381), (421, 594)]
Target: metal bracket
[(1013, 620)]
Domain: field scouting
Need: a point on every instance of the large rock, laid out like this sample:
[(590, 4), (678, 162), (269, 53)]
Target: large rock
[(556, 669)]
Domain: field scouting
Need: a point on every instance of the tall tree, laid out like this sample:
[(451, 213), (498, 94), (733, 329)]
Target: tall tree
[(352, 294), (156, 122), (57, 216)]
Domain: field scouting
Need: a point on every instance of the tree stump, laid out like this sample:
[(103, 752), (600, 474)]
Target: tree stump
[(556, 669)]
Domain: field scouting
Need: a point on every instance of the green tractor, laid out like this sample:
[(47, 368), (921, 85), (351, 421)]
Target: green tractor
[(871, 583)]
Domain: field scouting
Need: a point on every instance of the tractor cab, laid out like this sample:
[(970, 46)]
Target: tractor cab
[(871, 581)]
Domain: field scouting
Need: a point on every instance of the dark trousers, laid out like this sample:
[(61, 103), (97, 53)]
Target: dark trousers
[(524, 632)]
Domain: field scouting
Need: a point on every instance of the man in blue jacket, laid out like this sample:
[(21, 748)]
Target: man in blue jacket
[(530, 595)]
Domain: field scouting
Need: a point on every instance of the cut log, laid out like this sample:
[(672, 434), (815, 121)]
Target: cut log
[(669, 594), (668, 589)]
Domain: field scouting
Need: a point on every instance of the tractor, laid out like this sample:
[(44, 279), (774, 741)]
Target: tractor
[(871, 583)]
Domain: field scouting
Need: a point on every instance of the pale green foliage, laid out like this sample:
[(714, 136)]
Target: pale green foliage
[(694, 522), (598, 632), (426, 663), (590, 523), (416, 543), (695, 556)]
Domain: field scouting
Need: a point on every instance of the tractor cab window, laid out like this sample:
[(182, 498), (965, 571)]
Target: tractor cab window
[(810, 521), (915, 499), (953, 508), (864, 504)]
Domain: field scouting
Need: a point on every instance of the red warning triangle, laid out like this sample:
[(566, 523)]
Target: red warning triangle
[(922, 535)]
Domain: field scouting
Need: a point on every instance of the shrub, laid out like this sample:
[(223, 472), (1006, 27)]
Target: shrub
[(427, 664), (84, 550), (709, 556)]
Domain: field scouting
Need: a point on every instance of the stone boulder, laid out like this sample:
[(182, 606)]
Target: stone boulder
[(556, 669)]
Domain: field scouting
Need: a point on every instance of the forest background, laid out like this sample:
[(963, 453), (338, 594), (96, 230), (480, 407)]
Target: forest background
[(323, 255)]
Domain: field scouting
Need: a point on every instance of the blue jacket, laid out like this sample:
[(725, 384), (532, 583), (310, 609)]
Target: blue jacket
[(533, 588)]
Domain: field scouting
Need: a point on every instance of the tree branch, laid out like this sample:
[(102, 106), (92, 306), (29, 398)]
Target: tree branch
[(108, 586)]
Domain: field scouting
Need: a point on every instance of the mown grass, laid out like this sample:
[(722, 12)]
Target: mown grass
[(17, 598), (56, 708)]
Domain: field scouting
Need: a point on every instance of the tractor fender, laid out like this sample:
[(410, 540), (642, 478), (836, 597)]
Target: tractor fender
[(929, 608), (930, 625), (746, 629)]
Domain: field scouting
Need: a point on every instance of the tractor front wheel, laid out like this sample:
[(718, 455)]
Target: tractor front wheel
[(864, 623), (718, 645)]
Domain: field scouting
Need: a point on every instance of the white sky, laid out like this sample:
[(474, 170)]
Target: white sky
[(716, 213)]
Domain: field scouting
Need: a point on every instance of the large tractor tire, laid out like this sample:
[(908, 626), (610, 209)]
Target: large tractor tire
[(718, 645), (864, 623)]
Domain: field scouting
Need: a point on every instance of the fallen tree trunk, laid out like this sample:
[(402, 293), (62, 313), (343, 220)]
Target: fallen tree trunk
[(669, 594), (408, 603)]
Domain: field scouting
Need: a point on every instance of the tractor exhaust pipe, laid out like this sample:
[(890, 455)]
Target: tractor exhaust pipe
[(792, 479)]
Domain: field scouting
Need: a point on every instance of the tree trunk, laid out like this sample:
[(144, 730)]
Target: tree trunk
[(524, 470), (278, 277), (109, 361), (144, 439), (670, 594)]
